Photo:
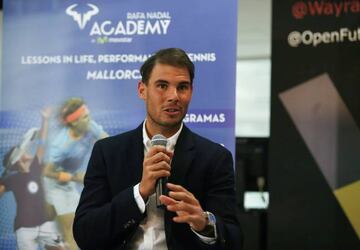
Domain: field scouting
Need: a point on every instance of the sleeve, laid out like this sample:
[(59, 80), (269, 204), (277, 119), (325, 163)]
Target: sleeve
[(205, 239), (7, 182), (139, 200), (104, 219), (55, 150), (220, 199)]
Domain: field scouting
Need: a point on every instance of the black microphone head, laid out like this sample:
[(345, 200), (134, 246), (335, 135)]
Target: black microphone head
[(158, 140)]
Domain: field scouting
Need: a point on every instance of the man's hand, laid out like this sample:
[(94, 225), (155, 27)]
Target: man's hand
[(64, 177), (186, 206), (46, 112), (156, 165), (2, 189)]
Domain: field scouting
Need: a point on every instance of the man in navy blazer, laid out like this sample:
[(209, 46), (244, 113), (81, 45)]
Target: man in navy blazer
[(117, 209)]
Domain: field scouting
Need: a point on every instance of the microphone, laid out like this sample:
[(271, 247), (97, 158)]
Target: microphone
[(160, 140)]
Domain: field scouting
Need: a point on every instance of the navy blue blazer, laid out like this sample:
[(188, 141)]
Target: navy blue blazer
[(107, 215)]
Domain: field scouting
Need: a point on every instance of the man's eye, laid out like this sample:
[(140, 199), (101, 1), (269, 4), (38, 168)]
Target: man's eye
[(162, 86), (183, 87)]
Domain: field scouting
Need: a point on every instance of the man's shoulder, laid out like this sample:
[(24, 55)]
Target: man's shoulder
[(60, 136)]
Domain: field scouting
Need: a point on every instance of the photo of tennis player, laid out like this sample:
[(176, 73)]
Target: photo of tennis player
[(33, 226), (68, 153)]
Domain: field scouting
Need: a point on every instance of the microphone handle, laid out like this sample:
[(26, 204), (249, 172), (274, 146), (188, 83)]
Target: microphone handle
[(161, 190)]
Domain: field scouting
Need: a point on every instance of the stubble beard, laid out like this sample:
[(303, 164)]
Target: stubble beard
[(166, 125)]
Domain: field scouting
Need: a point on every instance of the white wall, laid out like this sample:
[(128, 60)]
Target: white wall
[(253, 98), (253, 68)]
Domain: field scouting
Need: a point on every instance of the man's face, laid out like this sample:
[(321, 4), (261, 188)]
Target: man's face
[(81, 125), (23, 164), (167, 96)]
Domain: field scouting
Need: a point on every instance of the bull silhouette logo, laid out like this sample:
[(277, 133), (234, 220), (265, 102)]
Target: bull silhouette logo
[(82, 18)]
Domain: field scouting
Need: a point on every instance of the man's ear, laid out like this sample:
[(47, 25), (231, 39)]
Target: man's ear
[(141, 90)]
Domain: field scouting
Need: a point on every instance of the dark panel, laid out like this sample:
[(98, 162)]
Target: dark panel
[(304, 213), (251, 164)]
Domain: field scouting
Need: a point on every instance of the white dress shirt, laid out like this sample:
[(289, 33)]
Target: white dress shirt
[(150, 234)]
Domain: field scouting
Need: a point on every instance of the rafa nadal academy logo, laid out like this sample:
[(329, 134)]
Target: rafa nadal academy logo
[(82, 18), (123, 28)]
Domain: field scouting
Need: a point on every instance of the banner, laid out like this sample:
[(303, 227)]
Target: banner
[(315, 133), (86, 56)]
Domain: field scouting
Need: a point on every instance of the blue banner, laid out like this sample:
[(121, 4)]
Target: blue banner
[(55, 50)]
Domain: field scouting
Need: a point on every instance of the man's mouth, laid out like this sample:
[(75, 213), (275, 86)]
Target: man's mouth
[(172, 110)]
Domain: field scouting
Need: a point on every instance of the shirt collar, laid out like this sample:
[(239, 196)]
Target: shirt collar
[(171, 141)]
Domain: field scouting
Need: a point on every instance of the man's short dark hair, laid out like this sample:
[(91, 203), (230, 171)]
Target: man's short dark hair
[(172, 56), (69, 106)]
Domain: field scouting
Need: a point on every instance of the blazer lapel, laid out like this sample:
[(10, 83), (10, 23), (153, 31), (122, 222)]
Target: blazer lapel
[(136, 154), (183, 156)]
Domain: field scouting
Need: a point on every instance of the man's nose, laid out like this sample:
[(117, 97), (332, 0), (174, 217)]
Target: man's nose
[(173, 94)]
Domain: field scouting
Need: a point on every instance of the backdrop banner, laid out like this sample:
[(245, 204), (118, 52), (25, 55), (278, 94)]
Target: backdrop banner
[(315, 135), (72, 61)]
